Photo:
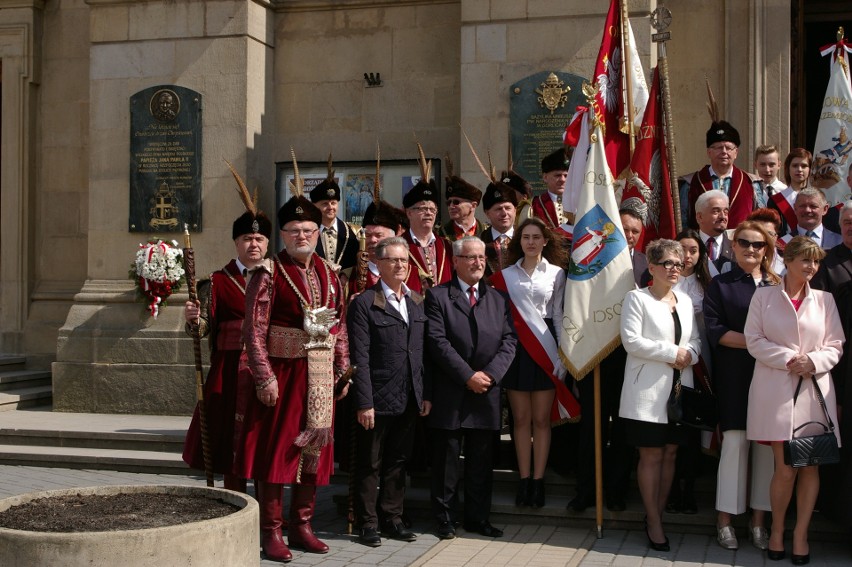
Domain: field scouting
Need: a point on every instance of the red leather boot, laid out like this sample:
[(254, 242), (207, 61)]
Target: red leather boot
[(299, 531), (272, 540)]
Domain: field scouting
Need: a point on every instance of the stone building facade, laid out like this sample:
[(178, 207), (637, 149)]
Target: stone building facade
[(275, 74)]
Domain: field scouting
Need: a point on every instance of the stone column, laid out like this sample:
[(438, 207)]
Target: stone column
[(112, 357)]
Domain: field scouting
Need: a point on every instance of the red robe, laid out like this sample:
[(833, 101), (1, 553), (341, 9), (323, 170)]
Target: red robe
[(225, 313), (544, 208), (740, 195), (267, 451), (418, 265)]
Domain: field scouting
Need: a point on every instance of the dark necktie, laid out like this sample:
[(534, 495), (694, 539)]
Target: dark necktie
[(472, 293), (711, 249)]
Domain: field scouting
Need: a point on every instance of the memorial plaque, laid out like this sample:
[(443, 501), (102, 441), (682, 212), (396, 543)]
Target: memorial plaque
[(540, 106), (165, 159)]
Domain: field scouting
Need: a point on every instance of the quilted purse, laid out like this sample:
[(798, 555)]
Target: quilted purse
[(815, 449)]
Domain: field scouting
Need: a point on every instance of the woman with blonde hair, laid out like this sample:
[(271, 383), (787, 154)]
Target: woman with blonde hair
[(726, 304), (795, 335)]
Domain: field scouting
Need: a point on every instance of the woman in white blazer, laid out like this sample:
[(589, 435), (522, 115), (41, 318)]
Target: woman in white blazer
[(659, 333), (792, 331)]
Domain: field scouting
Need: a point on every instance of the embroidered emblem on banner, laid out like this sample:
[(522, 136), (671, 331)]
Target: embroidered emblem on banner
[(596, 243)]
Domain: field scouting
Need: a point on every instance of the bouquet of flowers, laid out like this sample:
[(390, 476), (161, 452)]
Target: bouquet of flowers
[(158, 272)]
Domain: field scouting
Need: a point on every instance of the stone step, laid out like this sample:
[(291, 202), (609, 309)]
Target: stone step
[(12, 361), (11, 379), (151, 462), (25, 397)]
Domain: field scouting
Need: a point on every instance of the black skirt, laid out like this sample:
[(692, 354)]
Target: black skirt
[(524, 374), (648, 434)]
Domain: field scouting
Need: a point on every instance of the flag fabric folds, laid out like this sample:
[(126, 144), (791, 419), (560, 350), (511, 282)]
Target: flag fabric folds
[(833, 146), (648, 189), (599, 272)]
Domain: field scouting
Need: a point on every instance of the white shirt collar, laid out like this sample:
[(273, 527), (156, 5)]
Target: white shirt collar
[(540, 267), (817, 231), (390, 294), (464, 287), (713, 173), (495, 234), (417, 240), (241, 267), (554, 196), (705, 236)]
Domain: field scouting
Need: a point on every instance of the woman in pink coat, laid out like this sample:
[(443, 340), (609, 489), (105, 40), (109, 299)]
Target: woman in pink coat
[(792, 331)]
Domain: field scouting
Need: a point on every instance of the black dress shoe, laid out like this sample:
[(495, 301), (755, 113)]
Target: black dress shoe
[(616, 504), (773, 555), (484, 528), (445, 530), (657, 546), (580, 503), (398, 531), (369, 537), (688, 505), (800, 559)]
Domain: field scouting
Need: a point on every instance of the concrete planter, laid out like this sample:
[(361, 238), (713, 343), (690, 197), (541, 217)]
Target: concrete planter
[(227, 541)]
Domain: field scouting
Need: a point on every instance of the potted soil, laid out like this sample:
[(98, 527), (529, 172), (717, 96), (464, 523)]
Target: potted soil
[(157, 525)]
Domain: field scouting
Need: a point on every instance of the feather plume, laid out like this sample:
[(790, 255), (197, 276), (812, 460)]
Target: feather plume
[(449, 165), (425, 166), (330, 170), (511, 163), (377, 184), (491, 167), (476, 158), (711, 102), (297, 186), (248, 203), (254, 198)]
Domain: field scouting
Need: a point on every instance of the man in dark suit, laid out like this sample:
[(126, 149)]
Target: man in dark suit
[(387, 325), (337, 243), (471, 344), (711, 213)]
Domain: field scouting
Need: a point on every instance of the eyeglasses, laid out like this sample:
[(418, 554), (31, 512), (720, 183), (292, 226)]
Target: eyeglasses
[(671, 265), (452, 202), (724, 148), (472, 259), (297, 231), (745, 244), (397, 261), (424, 210)]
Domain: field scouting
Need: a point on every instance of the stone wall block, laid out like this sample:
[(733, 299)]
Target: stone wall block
[(64, 169), (111, 101), (468, 44), (399, 106), (491, 43), (480, 102), (209, 59), (475, 10), (66, 122), (447, 107), (567, 41), (132, 60), (226, 18), (109, 23), (111, 143), (508, 9), (333, 59), (337, 106), (552, 8), (156, 20), (441, 59), (69, 28), (65, 79)]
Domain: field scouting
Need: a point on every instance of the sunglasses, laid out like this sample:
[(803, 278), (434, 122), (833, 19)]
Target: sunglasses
[(744, 244)]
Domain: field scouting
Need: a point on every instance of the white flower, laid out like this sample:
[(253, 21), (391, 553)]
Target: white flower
[(159, 262)]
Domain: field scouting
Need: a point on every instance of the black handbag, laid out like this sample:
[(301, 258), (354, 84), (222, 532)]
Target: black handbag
[(815, 449), (694, 407)]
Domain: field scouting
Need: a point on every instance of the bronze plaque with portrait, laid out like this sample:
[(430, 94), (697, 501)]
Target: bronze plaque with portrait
[(540, 107), (165, 159)]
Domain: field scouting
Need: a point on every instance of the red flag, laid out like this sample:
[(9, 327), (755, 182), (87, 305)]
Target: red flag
[(648, 187), (609, 96)]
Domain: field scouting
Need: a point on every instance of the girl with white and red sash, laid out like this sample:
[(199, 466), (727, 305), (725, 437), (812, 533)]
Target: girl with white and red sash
[(797, 172), (535, 283)]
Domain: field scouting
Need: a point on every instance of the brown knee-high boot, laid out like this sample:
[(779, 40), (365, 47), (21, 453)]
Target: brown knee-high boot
[(272, 541), (299, 531)]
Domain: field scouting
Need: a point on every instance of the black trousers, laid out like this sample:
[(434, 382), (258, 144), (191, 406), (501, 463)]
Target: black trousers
[(617, 454), (380, 467), (446, 473)]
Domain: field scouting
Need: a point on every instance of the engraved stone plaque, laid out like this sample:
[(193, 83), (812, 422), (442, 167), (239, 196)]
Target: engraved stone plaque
[(540, 106), (165, 159)]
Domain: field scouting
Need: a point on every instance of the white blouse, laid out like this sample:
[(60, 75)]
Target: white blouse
[(545, 289), (692, 287)]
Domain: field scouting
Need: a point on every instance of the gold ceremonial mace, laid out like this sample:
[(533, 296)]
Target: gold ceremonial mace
[(661, 18), (189, 268)]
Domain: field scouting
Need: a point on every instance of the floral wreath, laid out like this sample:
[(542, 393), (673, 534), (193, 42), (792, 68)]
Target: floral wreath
[(158, 272)]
